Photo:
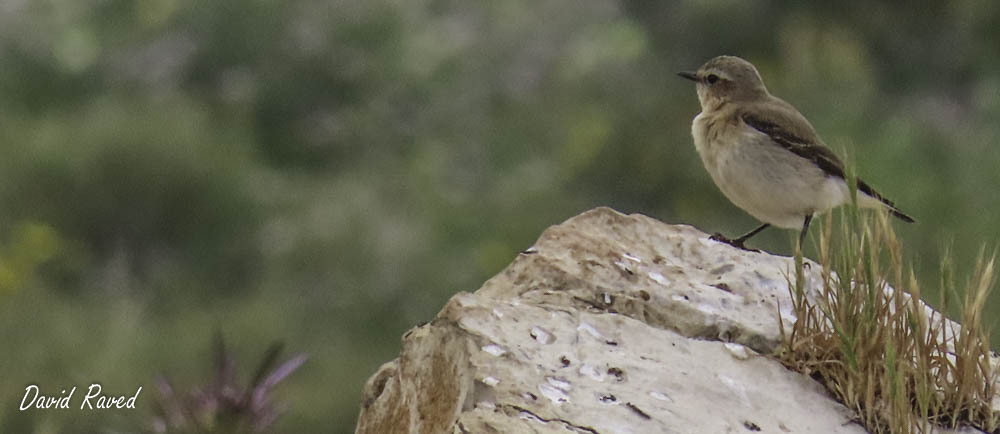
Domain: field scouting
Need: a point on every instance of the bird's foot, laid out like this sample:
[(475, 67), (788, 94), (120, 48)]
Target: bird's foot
[(738, 243)]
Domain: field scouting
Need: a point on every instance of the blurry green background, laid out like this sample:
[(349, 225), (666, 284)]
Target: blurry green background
[(329, 173)]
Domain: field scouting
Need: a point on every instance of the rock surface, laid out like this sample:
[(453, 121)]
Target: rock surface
[(608, 324)]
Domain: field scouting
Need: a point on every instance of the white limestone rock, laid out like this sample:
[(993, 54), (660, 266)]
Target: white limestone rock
[(608, 324)]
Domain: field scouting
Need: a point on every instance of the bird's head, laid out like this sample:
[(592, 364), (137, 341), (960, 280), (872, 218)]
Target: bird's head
[(726, 78)]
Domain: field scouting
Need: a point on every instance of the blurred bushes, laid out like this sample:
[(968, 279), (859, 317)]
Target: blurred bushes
[(30, 246), (153, 188)]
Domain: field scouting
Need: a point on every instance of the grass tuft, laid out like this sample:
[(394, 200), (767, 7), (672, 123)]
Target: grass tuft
[(899, 365)]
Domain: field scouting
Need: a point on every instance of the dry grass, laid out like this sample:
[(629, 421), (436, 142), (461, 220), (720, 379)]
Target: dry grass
[(903, 368)]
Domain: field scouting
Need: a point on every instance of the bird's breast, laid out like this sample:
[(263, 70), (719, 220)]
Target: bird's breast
[(700, 130), (709, 130)]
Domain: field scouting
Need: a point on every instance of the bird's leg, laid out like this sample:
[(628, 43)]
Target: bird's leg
[(738, 243), (805, 229)]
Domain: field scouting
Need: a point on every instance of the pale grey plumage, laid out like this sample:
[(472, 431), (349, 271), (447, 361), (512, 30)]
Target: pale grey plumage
[(763, 154)]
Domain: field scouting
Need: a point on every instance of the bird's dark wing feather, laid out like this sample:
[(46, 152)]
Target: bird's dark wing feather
[(792, 131), (807, 148)]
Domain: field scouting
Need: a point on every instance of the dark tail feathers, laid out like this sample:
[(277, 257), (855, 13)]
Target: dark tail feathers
[(867, 189)]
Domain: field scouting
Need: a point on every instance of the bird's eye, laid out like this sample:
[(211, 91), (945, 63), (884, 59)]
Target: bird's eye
[(712, 78)]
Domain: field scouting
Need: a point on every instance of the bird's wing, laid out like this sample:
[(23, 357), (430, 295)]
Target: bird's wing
[(789, 129)]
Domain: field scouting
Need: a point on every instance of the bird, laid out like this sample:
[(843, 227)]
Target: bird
[(765, 156)]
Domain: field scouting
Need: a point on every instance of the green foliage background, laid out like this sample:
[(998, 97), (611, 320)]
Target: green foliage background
[(329, 173)]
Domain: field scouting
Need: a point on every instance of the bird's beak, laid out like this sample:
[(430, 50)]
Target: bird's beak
[(688, 75)]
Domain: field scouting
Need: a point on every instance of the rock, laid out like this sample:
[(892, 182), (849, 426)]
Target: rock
[(608, 324)]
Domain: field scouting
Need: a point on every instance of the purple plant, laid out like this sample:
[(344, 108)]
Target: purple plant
[(225, 406)]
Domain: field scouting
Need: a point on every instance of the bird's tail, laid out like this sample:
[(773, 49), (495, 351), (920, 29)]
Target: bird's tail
[(868, 190), (902, 216)]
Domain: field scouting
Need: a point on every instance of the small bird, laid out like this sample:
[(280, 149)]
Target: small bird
[(764, 155)]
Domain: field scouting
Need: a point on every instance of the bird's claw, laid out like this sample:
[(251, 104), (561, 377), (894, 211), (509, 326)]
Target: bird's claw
[(738, 243)]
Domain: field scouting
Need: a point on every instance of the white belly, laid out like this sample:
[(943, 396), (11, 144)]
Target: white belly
[(772, 184)]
